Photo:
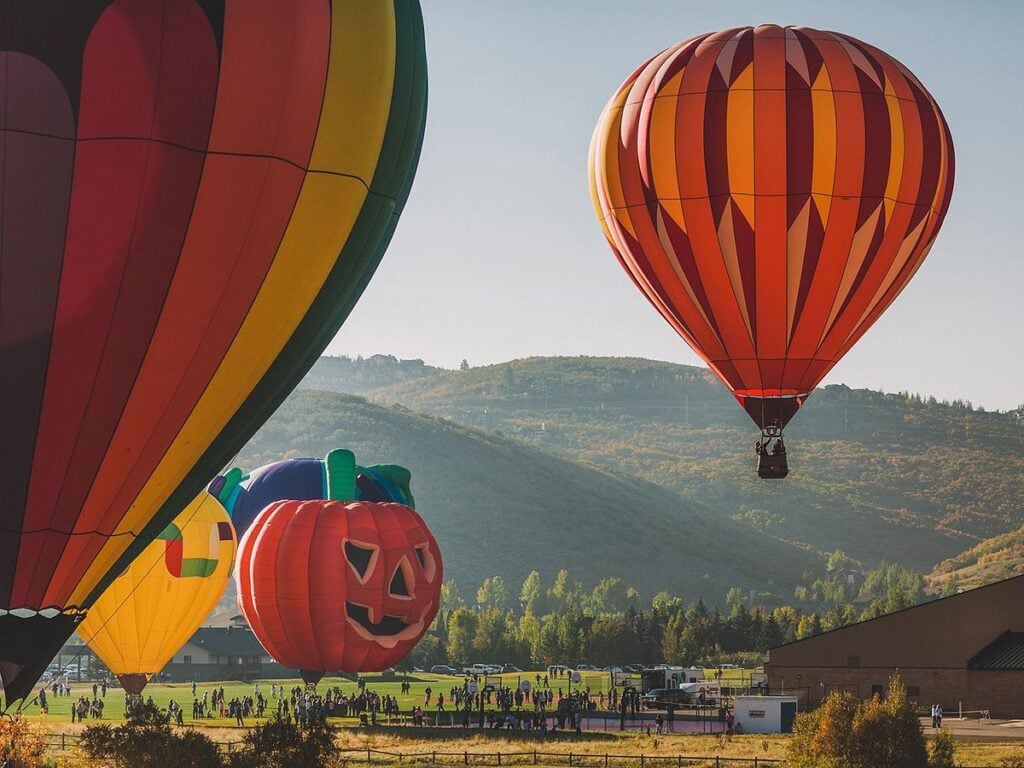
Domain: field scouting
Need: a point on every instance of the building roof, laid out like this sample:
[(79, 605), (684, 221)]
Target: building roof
[(228, 641), (941, 634), (1005, 652)]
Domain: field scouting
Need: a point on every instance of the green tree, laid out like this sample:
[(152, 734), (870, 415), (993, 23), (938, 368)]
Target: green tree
[(609, 596), (451, 598), (428, 652), (462, 626), (493, 594), (672, 645), (810, 624), (665, 605), (529, 634), (565, 592), (734, 598), (531, 594)]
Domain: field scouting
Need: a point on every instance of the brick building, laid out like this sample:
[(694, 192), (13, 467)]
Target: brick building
[(965, 650)]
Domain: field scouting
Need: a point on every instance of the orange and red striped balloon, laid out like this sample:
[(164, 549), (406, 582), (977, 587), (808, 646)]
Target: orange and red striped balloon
[(771, 191)]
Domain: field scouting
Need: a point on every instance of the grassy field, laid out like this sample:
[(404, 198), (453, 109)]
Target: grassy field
[(458, 745), (162, 694)]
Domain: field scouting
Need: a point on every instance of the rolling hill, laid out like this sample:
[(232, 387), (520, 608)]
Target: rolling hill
[(501, 507), (1000, 557), (883, 476)]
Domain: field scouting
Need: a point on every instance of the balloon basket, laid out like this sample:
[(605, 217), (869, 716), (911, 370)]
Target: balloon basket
[(771, 454)]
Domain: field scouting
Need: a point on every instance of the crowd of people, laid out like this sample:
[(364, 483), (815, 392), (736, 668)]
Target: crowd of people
[(537, 706)]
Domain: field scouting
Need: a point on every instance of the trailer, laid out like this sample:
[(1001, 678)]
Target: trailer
[(670, 677), (765, 714)]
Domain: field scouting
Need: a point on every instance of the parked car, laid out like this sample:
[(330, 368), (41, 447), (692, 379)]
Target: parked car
[(477, 669), (586, 668), (444, 669), (559, 669), (658, 698), (510, 668)]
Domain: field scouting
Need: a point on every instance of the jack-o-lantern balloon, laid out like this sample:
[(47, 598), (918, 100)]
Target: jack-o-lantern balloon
[(330, 585)]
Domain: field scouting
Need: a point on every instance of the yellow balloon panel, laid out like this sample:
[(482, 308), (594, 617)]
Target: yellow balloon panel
[(155, 606)]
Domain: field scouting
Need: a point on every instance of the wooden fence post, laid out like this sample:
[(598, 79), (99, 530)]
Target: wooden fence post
[(369, 757)]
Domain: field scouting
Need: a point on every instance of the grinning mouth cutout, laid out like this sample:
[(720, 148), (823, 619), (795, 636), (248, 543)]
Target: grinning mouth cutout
[(388, 632)]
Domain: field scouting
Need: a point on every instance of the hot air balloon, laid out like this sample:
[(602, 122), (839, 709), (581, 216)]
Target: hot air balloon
[(245, 495), (154, 607), (330, 585), (771, 191), (194, 194)]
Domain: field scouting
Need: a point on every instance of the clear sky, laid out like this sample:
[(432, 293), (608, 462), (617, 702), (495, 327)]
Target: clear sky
[(499, 254)]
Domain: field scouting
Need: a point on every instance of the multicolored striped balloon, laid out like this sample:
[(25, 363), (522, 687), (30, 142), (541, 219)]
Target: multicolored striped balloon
[(195, 193), (771, 191)]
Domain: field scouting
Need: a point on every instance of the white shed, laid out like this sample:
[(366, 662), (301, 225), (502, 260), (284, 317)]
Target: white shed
[(765, 714)]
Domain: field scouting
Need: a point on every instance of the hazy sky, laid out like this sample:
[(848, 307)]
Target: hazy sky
[(499, 254)]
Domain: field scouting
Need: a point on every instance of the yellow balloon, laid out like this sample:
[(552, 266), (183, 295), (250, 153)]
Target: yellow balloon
[(154, 607)]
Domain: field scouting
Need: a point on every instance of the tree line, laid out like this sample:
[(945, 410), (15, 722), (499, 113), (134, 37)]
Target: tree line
[(563, 623)]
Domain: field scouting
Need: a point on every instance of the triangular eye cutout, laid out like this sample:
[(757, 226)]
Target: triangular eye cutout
[(426, 562), (360, 558), (398, 586)]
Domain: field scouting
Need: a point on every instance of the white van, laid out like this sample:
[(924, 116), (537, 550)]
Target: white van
[(477, 669)]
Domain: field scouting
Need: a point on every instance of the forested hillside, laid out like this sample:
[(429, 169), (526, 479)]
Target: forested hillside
[(1000, 557), (882, 476), (502, 507)]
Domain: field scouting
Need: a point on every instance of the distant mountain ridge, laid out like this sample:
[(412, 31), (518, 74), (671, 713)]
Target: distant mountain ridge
[(501, 507), (882, 476)]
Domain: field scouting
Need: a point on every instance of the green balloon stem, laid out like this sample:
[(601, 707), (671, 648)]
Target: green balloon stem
[(341, 475)]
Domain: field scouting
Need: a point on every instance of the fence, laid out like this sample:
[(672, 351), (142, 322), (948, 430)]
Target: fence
[(536, 757), (64, 741), (369, 756)]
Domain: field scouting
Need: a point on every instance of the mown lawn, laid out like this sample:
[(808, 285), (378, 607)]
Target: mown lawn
[(162, 694)]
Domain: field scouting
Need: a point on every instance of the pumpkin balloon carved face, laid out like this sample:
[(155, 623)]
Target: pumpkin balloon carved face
[(329, 585)]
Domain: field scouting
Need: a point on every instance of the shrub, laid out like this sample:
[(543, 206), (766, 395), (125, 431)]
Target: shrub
[(847, 733), (20, 745), (940, 753), (146, 740), (283, 744)]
